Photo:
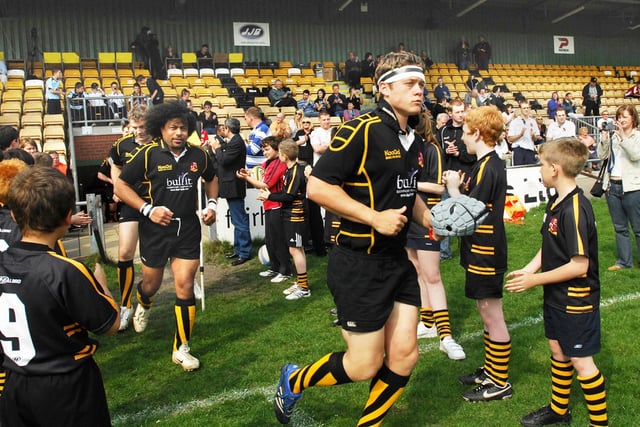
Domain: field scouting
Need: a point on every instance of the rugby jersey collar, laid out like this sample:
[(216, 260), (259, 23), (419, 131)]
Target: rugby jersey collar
[(386, 114)]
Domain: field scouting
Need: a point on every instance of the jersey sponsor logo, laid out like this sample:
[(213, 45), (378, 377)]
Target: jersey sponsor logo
[(392, 154), (352, 324), (4, 280), (181, 183), (420, 159), (406, 187), (164, 168), (553, 226), (194, 167)]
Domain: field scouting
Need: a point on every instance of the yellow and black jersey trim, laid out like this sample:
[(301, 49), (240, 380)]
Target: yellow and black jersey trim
[(87, 351), (576, 220), (483, 250), (85, 272), (481, 169), (574, 309), (579, 292), (481, 271), (72, 329), (485, 229)]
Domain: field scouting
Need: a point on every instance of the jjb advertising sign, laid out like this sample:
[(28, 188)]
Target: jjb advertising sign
[(563, 45), (251, 34)]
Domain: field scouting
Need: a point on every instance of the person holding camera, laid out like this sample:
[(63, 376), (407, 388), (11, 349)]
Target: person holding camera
[(280, 96)]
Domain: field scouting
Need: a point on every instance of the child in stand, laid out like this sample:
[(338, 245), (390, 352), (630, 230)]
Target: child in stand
[(274, 169), (292, 197), (568, 265)]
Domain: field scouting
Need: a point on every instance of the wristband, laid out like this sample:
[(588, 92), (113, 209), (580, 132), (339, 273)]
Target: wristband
[(146, 209), (212, 204)]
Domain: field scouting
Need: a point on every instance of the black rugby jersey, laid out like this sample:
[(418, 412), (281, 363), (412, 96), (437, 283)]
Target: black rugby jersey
[(568, 230), (431, 172), (368, 160), (48, 304), (10, 233), (293, 193), (170, 183), (122, 150), (485, 251)]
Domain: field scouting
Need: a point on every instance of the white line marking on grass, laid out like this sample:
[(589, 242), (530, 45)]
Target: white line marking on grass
[(301, 418)]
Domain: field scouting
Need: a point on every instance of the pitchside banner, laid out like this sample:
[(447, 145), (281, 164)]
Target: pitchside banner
[(524, 182), (251, 34), (563, 45)]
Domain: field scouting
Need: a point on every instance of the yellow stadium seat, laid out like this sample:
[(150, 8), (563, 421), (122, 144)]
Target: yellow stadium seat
[(70, 60), (33, 107), (10, 119), (52, 60), (12, 95), (106, 60), (54, 119), (11, 107), (53, 131), (236, 59), (189, 59), (33, 132)]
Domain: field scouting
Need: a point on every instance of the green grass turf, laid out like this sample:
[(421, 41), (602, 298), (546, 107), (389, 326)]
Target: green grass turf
[(249, 330)]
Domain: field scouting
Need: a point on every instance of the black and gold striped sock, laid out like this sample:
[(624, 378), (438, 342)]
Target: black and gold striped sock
[(144, 300), (386, 387), (125, 280), (561, 379), (442, 323), (303, 281), (497, 362), (185, 311), (426, 316), (327, 371), (596, 396)]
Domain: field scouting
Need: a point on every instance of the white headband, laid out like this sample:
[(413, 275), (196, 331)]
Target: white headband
[(402, 73)]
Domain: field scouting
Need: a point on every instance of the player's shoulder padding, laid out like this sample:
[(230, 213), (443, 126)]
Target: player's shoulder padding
[(350, 129)]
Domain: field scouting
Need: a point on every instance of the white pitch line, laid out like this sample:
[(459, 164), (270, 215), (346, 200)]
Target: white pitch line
[(301, 418)]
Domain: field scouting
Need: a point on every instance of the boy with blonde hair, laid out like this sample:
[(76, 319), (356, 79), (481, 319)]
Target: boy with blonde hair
[(568, 265)]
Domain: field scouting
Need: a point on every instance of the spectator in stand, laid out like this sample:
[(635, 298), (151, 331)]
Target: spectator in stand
[(508, 114), (471, 98), (441, 90), (591, 97), (552, 105), (295, 123), (561, 128), (156, 94), (53, 92), (97, 106), (442, 106), (204, 58), (259, 130), (337, 101), (426, 59), (351, 112), (208, 118), (137, 97), (482, 97), (567, 104), (116, 102), (321, 103), (496, 98), (355, 97), (441, 121), (76, 103), (523, 132), (463, 54), (590, 143), (57, 164), (368, 65), (279, 128), (306, 105), (29, 145), (352, 70), (542, 129), (281, 96), (171, 58), (634, 91), (185, 95), (482, 53)]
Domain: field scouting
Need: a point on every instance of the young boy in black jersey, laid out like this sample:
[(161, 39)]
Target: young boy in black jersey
[(48, 304), (568, 265), (484, 254), (292, 198)]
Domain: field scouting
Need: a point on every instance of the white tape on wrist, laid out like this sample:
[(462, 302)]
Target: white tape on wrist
[(146, 209)]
